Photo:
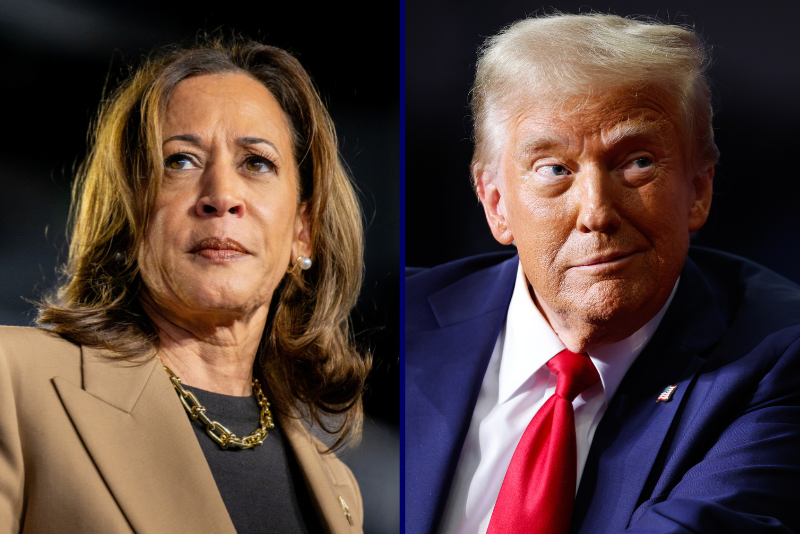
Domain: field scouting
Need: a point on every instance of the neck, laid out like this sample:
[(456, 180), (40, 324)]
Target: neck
[(216, 358)]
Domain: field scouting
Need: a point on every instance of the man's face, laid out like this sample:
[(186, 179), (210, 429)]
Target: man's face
[(600, 203)]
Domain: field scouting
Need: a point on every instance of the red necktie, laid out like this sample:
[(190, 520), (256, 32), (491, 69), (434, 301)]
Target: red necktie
[(538, 491)]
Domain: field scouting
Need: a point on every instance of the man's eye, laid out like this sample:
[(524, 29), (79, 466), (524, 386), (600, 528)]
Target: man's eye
[(178, 162), (553, 170), (642, 163), (259, 164)]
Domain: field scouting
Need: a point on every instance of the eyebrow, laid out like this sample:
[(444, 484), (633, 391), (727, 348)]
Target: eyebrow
[(195, 140), (257, 141), (632, 129), (540, 142), (189, 138)]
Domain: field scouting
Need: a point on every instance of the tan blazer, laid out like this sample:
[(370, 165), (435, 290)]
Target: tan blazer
[(93, 445)]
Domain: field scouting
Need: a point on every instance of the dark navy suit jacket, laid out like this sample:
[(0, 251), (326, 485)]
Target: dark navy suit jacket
[(722, 456)]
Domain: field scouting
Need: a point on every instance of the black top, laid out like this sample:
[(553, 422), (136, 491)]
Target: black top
[(263, 487)]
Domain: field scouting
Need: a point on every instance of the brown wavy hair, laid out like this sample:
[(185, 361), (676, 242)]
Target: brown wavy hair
[(307, 357)]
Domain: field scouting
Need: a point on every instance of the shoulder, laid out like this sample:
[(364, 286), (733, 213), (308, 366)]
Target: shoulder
[(748, 315), (335, 469), (330, 481), (463, 288), (36, 353), (14, 339), (421, 280), (729, 269), (750, 296), (344, 480)]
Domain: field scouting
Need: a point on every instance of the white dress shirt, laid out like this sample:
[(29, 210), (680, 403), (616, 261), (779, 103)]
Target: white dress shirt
[(517, 383)]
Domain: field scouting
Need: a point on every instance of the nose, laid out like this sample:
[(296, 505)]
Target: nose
[(221, 193), (598, 201)]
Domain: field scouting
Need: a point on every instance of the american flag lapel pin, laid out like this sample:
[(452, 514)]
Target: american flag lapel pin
[(666, 395)]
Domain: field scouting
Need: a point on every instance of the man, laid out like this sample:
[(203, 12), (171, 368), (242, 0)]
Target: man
[(594, 155)]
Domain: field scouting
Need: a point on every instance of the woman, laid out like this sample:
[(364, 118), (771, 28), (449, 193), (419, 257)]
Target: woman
[(216, 253)]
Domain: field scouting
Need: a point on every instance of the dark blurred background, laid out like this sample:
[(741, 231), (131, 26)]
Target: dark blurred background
[(756, 86), (58, 55)]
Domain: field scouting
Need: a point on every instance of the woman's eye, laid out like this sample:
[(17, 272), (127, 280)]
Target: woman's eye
[(178, 162), (259, 164)]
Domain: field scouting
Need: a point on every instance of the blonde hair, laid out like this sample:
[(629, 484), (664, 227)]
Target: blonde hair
[(553, 58), (307, 357)]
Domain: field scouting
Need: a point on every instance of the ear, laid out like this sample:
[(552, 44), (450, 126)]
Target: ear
[(301, 241), (703, 185), (489, 188)]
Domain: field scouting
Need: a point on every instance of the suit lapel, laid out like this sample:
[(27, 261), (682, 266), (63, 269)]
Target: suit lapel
[(443, 380), (633, 430), (137, 432), (317, 476)]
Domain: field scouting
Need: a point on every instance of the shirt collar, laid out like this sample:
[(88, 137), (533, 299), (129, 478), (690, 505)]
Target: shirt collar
[(529, 344)]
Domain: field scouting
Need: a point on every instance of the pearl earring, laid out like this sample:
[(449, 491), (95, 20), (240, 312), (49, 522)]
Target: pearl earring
[(305, 262)]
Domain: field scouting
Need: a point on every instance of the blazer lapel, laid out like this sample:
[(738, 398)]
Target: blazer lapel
[(137, 432), (633, 430), (317, 476), (443, 380)]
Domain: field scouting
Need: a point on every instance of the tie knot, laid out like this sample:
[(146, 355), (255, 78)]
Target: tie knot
[(576, 373)]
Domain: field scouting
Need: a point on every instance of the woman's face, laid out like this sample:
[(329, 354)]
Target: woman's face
[(226, 224)]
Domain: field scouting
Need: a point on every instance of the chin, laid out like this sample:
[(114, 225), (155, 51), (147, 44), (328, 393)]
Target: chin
[(223, 302), (218, 294), (612, 301)]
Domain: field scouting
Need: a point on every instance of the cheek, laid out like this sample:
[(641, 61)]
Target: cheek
[(167, 234), (665, 217), (167, 223), (272, 218), (540, 225), (154, 258)]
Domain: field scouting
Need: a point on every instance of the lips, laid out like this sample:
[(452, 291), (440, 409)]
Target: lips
[(215, 248), (605, 258)]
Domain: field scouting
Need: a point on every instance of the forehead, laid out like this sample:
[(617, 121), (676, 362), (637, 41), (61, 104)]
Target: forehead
[(230, 104), (611, 116)]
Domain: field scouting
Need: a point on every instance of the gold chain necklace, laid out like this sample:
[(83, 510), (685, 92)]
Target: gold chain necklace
[(226, 438)]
